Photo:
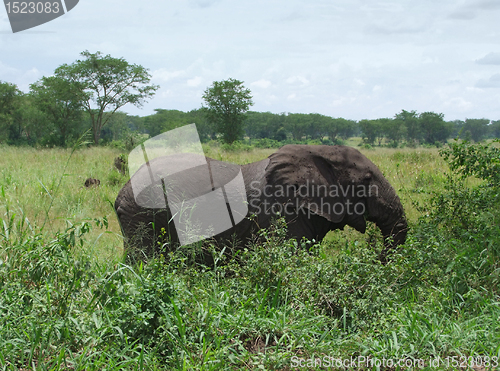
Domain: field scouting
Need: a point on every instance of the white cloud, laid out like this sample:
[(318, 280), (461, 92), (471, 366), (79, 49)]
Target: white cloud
[(406, 27), (472, 8), (491, 58), (297, 80), (459, 104), (462, 14), (165, 75), (486, 4), (359, 82), (492, 82), (203, 3), (4, 21), (195, 81), (22, 78), (7, 71), (342, 101), (166, 93), (262, 83)]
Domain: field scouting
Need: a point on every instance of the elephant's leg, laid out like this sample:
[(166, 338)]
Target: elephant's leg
[(310, 225), (146, 232)]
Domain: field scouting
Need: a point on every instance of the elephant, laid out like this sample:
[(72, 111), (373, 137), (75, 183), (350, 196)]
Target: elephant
[(316, 188)]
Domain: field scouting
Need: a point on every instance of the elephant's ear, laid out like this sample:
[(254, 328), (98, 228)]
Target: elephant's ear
[(303, 179)]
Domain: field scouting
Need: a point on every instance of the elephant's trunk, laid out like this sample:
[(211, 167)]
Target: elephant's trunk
[(386, 210), (394, 235)]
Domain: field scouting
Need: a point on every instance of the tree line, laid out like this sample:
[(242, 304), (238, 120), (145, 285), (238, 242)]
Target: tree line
[(78, 97), (87, 96), (23, 122)]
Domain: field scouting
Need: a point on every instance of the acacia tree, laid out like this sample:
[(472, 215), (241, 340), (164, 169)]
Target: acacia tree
[(107, 84), (227, 101)]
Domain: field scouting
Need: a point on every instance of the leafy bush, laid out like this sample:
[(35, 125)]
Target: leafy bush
[(468, 216), (43, 285), (481, 160), (114, 177), (236, 146), (266, 143)]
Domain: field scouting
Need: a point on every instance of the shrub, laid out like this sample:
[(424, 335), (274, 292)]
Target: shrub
[(467, 217), (266, 143), (115, 177), (236, 146)]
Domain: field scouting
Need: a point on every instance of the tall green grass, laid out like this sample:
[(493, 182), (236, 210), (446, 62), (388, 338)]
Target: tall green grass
[(68, 302), (30, 176), (30, 179)]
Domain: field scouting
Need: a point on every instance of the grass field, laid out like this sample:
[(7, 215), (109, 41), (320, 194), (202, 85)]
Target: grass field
[(35, 181), (66, 304)]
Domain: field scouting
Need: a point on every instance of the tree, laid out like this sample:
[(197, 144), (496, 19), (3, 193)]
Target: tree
[(297, 124), (260, 125), (331, 128), (317, 124), (456, 128), (36, 126), (372, 129), (394, 131), (227, 102), (434, 128), (413, 130), (204, 127), (495, 129), (346, 128), (478, 128), (10, 102), (164, 120), (118, 127), (107, 84), (59, 100)]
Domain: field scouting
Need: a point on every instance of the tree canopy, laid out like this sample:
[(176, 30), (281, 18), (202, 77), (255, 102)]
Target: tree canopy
[(10, 103), (227, 102), (107, 84), (59, 101)]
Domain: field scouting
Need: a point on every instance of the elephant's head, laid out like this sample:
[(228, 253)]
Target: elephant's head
[(340, 185)]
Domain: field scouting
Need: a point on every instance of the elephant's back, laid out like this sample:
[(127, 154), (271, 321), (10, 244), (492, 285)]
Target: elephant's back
[(186, 174)]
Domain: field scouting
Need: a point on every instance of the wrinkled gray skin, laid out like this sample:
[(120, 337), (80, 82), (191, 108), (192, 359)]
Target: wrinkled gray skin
[(309, 174)]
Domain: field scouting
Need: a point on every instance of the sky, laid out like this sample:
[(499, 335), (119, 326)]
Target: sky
[(356, 59)]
